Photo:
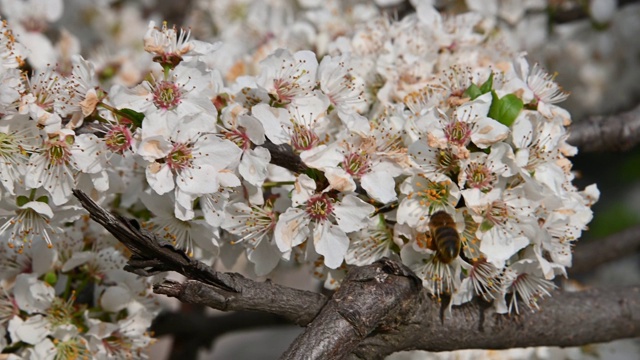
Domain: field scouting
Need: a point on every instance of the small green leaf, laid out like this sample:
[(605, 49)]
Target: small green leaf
[(43, 198), (472, 92), (488, 85), (135, 117), (21, 200), (51, 278), (506, 109)]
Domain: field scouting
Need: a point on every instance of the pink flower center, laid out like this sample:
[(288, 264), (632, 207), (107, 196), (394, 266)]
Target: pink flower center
[(458, 133), (303, 138), (118, 139), (319, 207), (479, 177), (356, 164), (58, 152), (180, 157), (167, 95), (239, 137)]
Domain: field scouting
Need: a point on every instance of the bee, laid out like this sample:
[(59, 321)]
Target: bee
[(444, 239)]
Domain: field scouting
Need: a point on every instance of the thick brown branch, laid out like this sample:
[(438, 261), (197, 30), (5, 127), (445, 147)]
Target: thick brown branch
[(589, 255), (565, 319), (369, 297), (225, 290), (380, 308), (609, 133), (256, 296)]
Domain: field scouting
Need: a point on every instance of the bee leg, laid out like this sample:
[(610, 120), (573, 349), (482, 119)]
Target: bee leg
[(444, 305)]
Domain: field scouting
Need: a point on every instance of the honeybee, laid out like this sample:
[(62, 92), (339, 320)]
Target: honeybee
[(444, 240)]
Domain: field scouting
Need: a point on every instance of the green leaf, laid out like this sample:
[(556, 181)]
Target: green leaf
[(506, 109), (488, 85), (51, 278), (43, 198), (472, 92), (21, 200), (135, 117)]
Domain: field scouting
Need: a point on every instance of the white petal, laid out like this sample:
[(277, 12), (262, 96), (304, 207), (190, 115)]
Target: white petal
[(522, 131), (272, 120), (39, 207), (31, 294), (32, 331), (352, 213), (380, 185), (44, 350), (160, 179), (413, 213), (253, 128), (222, 154), (292, 229), (356, 123), (488, 131), (115, 298), (552, 176), (228, 179), (206, 237), (339, 180), (154, 147), (330, 242), (77, 259), (304, 187), (322, 156), (253, 165), (198, 180), (499, 245), (183, 207), (265, 256)]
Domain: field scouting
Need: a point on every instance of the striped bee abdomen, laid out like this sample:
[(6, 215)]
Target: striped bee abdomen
[(445, 236)]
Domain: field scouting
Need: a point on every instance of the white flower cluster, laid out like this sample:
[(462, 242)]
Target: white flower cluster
[(394, 122), (75, 300)]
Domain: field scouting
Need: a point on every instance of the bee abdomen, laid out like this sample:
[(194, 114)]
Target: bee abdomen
[(447, 243)]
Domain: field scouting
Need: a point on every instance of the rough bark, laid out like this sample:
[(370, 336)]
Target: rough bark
[(381, 308), (565, 319), (597, 252), (371, 297), (618, 132)]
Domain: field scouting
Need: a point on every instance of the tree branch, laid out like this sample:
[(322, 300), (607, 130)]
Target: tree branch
[(592, 254), (225, 291), (565, 319), (371, 296), (609, 133), (381, 308), (254, 296), (283, 155)]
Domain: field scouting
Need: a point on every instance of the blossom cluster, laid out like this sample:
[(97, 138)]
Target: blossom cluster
[(394, 120)]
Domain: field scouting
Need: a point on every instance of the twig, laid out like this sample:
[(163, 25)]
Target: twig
[(227, 291), (607, 133), (283, 155), (592, 254), (254, 296)]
